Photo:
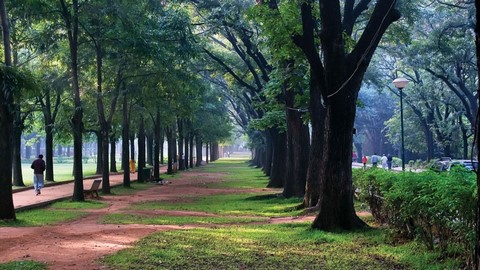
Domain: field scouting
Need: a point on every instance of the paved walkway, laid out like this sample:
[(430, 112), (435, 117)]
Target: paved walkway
[(25, 198)]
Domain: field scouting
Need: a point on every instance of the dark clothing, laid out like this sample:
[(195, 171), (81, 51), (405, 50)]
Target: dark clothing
[(38, 166)]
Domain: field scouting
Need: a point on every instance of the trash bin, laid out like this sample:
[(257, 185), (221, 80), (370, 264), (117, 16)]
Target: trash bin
[(144, 174)]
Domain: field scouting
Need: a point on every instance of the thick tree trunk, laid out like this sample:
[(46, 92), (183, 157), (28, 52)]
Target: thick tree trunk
[(49, 176), (279, 158), (141, 149), (187, 151), (99, 168), (192, 146), (477, 141), (268, 154), (156, 147), (298, 148), (181, 154), (199, 150), (150, 136), (113, 155), (315, 167), (132, 147), (171, 153), (17, 144), (104, 143), (125, 144), (335, 203)]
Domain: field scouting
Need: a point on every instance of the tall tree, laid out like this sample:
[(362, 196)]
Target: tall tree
[(6, 123), (336, 81), (70, 15)]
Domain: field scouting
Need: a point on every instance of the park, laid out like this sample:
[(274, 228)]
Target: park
[(239, 134)]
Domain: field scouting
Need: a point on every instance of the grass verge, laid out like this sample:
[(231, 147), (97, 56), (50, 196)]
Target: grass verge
[(243, 204), (124, 219), (23, 265), (279, 246), (41, 217)]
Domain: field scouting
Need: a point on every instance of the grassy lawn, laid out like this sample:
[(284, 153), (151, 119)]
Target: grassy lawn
[(61, 171), (279, 246), (23, 265), (54, 214), (243, 204)]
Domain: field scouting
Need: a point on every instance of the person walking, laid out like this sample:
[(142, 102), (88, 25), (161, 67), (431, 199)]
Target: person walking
[(374, 160), (364, 161), (389, 161), (384, 159), (38, 167)]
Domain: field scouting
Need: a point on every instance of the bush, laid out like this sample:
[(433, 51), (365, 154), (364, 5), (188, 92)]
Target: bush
[(438, 209)]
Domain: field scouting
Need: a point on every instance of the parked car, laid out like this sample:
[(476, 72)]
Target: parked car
[(466, 163)]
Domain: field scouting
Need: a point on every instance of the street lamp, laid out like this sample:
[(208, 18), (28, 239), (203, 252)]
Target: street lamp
[(400, 83)]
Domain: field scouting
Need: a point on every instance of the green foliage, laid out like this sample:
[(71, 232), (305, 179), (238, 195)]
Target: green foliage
[(23, 265), (437, 208)]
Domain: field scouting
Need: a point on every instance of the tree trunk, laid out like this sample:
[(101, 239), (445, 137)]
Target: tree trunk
[(192, 164), (315, 167), (132, 147), (99, 168), (268, 154), (150, 136), (187, 151), (113, 154), (477, 141), (181, 154), (171, 153), (279, 158), (125, 144), (335, 203), (298, 147), (199, 151), (156, 147), (141, 149), (49, 176), (17, 144)]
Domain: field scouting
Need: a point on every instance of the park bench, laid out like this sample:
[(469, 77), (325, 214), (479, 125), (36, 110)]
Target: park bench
[(94, 189)]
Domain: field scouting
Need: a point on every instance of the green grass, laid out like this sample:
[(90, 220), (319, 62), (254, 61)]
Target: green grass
[(280, 246), (61, 171), (42, 217), (23, 265), (174, 220), (257, 204), (237, 174), (79, 205)]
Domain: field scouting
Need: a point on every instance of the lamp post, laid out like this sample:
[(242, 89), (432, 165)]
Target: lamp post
[(400, 83)]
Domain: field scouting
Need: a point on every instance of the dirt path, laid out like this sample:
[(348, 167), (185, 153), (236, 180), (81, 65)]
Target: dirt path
[(80, 243)]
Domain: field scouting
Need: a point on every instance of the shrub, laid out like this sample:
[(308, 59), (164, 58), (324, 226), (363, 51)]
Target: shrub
[(436, 208)]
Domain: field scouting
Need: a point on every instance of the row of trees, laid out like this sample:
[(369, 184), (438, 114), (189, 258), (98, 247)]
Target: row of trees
[(280, 67), (108, 68)]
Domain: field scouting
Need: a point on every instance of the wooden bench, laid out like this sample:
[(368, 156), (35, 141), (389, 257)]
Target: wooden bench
[(94, 189)]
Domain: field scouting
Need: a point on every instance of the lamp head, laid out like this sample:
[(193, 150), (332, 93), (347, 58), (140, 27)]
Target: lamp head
[(400, 83)]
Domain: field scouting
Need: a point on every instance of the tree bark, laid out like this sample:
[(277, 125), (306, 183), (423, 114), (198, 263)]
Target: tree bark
[(298, 148), (71, 24), (199, 150), (125, 143), (156, 146), (17, 144), (113, 154), (279, 158), (141, 149)]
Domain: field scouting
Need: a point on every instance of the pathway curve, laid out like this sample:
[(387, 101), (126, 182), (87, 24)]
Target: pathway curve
[(80, 243)]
